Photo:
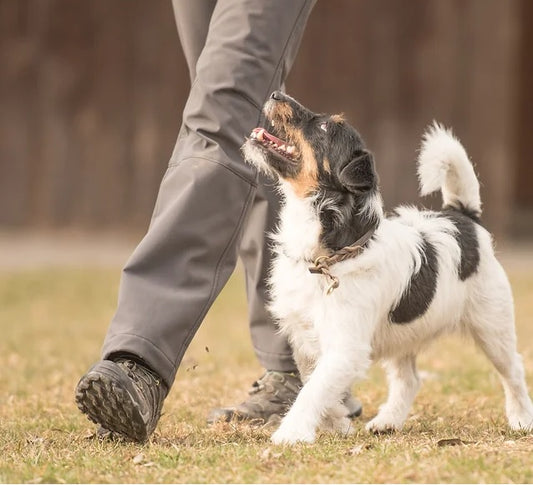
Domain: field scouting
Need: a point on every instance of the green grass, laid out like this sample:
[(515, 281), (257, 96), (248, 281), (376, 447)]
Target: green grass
[(53, 323)]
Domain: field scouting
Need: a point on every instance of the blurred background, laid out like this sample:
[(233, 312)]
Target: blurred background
[(91, 95)]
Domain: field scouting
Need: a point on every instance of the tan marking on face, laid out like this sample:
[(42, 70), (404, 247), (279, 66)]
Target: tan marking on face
[(327, 166), (338, 118), (307, 179)]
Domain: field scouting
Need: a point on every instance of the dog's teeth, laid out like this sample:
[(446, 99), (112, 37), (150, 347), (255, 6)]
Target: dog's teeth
[(283, 147), (290, 149), (260, 134)]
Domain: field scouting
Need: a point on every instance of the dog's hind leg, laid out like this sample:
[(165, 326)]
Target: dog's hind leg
[(500, 348), (403, 386), (491, 323)]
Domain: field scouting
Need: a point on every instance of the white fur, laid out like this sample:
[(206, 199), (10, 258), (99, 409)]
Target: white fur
[(444, 165), (336, 337)]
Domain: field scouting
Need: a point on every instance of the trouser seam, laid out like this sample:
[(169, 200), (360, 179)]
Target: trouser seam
[(206, 307), (155, 212)]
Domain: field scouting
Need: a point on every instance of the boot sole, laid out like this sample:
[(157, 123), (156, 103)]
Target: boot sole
[(107, 397)]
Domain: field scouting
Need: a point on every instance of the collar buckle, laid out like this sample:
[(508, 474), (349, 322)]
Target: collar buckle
[(322, 264)]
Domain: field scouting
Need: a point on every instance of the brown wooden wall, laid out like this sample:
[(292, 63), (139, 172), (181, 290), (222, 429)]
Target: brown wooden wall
[(522, 202), (91, 95)]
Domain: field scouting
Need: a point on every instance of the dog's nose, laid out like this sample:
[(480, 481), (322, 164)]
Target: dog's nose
[(277, 95)]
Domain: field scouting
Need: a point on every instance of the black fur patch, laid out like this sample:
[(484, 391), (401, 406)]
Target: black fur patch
[(341, 219), (466, 211), (466, 238), (421, 290)]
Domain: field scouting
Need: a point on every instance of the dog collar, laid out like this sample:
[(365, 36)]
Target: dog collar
[(323, 263)]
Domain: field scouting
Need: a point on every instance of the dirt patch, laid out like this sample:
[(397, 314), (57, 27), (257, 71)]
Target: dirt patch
[(22, 250)]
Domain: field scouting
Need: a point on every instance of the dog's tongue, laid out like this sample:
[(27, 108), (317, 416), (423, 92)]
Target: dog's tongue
[(261, 134)]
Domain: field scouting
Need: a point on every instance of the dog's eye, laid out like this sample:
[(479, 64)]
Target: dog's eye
[(324, 126)]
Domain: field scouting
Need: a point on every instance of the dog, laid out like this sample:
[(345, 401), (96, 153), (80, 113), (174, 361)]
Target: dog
[(350, 286)]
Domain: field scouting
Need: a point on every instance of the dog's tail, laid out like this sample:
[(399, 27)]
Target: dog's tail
[(443, 164)]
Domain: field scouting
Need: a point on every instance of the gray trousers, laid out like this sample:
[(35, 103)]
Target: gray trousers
[(211, 206)]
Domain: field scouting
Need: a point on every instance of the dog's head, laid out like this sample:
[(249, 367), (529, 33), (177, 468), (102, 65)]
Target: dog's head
[(321, 158)]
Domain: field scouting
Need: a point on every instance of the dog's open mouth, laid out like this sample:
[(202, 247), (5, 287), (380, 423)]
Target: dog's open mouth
[(274, 144)]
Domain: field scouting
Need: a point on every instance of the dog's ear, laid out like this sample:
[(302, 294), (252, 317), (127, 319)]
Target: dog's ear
[(358, 175)]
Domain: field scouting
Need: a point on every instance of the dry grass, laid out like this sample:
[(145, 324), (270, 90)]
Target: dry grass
[(53, 323)]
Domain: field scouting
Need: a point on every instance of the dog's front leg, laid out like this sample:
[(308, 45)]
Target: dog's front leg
[(305, 354), (337, 368)]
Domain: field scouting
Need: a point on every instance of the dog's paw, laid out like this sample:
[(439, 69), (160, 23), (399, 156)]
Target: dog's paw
[(521, 423), (383, 425), (286, 436)]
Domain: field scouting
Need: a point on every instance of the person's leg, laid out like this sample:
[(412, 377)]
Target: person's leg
[(192, 21), (189, 251), (271, 396), (272, 349)]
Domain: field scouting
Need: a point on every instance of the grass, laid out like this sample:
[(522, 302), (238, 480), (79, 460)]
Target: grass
[(53, 322)]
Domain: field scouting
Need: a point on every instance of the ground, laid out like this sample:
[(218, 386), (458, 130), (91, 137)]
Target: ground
[(57, 295)]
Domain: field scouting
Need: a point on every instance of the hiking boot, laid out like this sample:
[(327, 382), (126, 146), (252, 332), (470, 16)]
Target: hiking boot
[(271, 396), (122, 396)]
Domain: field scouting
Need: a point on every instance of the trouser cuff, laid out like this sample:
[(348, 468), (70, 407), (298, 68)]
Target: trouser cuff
[(277, 362), (146, 350)]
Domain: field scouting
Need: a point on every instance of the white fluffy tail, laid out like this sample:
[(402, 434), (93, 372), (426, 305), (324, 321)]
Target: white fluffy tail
[(443, 164)]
